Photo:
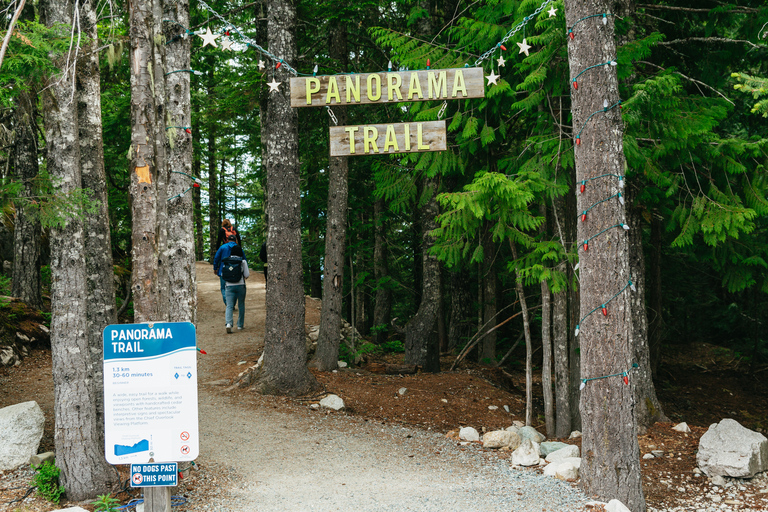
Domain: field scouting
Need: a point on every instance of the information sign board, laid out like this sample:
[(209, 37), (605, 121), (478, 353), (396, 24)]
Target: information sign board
[(150, 393), (154, 475)]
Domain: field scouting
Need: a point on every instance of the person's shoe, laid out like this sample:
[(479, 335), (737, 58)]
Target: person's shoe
[(240, 328), (229, 328)]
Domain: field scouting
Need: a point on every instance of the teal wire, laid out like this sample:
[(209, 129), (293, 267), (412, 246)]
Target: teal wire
[(590, 67), (581, 246), (605, 109), (629, 283), (604, 176), (597, 203), (588, 17), (622, 374)]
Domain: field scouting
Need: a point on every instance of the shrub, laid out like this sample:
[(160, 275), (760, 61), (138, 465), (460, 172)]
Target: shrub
[(47, 482)]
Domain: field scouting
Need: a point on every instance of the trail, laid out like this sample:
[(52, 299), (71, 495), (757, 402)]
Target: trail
[(281, 455)]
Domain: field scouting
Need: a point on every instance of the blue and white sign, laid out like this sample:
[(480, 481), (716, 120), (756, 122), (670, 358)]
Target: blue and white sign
[(154, 475), (150, 393)]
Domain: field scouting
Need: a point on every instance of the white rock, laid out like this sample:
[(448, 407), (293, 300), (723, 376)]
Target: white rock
[(532, 434), (501, 439), (575, 435), (469, 434), (729, 449), (548, 447), (493, 407), (551, 469), (342, 364), (518, 424), (402, 391), (616, 506), (514, 429), (332, 402), (575, 461), (506, 408), (527, 454), (567, 471), (444, 400), (648, 456), (563, 453), (682, 427), (315, 406), (21, 428)]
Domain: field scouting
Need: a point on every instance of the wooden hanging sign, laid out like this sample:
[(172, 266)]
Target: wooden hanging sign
[(395, 87), (378, 139)]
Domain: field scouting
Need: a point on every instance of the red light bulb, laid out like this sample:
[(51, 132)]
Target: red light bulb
[(605, 311), (583, 186), (626, 380), (570, 33), (197, 185), (578, 141), (277, 66), (584, 217), (576, 85), (503, 47), (586, 246), (188, 130)]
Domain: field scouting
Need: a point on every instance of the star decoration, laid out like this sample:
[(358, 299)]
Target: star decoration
[(501, 61), (261, 65), (524, 47), (209, 38), (274, 86), (492, 78), (552, 11), (226, 44)]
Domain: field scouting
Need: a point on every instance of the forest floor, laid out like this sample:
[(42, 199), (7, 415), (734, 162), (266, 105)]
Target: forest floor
[(702, 387)]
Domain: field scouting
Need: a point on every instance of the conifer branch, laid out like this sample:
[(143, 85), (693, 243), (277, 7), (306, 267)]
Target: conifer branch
[(7, 38), (738, 10), (710, 40), (691, 79)]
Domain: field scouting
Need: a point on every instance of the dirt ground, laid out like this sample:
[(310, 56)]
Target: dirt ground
[(703, 388)]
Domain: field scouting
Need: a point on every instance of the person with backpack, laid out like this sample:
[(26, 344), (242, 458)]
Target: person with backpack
[(223, 253), (233, 272), (225, 231)]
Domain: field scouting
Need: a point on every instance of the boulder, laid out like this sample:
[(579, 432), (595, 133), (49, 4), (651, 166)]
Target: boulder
[(332, 402), (729, 449), (616, 506), (532, 434), (575, 435), (567, 471), (501, 439), (527, 454), (569, 451), (21, 428), (548, 447), (469, 434)]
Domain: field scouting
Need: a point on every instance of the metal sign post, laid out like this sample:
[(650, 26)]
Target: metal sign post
[(150, 400)]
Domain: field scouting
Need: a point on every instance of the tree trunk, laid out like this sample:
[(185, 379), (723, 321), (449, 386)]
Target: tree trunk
[(27, 232), (647, 408), (327, 353), (610, 464), (315, 270), (146, 165), (101, 307), (655, 297), (214, 217), (78, 392), (461, 320), (528, 343), (197, 192), (546, 366), (487, 352), (382, 311), (421, 346), (180, 248), (284, 370), (562, 372)]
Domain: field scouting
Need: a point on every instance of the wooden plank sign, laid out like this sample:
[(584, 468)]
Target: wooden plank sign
[(378, 139), (403, 86)]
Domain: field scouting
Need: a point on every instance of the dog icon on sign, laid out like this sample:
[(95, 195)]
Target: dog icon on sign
[(137, 479)]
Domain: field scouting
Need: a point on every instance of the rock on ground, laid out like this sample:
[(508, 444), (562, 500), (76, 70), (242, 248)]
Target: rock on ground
[(469, 434), (563, 453), (532, 434), (332, 402), (501, 439), (548, 447), (527, 454), (21, 428), (616, 506), (729, 449)]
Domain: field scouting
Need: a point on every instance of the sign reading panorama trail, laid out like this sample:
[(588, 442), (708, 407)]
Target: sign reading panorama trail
[(438, 84), (150, 393), (375, 139)]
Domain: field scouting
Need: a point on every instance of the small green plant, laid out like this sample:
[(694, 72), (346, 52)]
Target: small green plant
[(105, 503), (47, 482), (392, 347), (5, 285)]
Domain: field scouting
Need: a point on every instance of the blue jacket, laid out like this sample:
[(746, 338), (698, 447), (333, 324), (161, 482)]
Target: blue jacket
[(222, 254)]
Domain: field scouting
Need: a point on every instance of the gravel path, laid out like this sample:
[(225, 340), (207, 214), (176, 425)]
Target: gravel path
[(265, 454)]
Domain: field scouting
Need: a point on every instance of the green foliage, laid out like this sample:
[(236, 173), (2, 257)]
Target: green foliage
[(757, 87), (6, 284), (47, 481), (105, 503)]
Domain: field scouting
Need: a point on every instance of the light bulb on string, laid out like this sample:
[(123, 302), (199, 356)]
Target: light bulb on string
[(389, 66), (621, 181), (625, 226), (583, 384), (577, 331), (584, 217), (578, 140), (605, 19), (586, 245), (279, 63), (314, 70), (625, 377), (577, 266), (583, 186), (621, 199), (632, 286), (614, 63), (605, 105), (605, 310), (575, 84), (427, 63)]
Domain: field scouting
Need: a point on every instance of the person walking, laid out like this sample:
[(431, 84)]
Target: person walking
[(225, 231), (223, 253), (234, 272)]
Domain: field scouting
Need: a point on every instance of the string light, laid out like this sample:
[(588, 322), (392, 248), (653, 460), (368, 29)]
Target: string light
[(191, 71), (586, 242), (605, 108), (604, 307), (584, 213), (624, 377), (583, 185), (574, 79), (187, 129), (195, 183), (604, 16), (512, 32)]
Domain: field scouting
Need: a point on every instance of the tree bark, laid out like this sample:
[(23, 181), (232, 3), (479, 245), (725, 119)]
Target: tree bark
[(647, 408), (147, 165), (655, 297), (610, 463), (487, 352), (461, 318), (382, 311), (421, 345), (327, 353), (214, 216), (78, 392), (528, 343), (180, 248), (562, 372), (27, 233), (546, 352), (284, 370)]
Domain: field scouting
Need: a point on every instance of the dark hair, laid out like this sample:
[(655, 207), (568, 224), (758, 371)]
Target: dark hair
[(237, 251), (232, 237)]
